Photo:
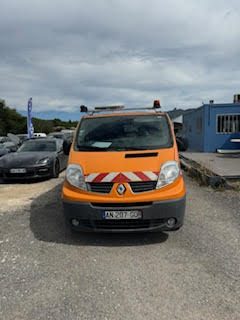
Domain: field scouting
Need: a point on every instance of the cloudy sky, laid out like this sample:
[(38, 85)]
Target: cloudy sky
[(73, 52)]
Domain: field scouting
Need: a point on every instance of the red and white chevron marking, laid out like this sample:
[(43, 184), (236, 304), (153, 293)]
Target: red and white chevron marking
[(121, 177)]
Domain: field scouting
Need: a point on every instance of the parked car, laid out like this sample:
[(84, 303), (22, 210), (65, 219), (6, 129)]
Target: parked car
[(61, 135), (14, 141), (124, 173), (10, 146), (39, 135), (36, 158), (69, 132), (22, 137), (4, 139), (3, 149)]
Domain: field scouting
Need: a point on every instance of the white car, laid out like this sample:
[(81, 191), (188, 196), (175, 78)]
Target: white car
[(39, 135)]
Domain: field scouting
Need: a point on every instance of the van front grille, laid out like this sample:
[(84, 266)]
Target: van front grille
[(137, 187), (143, 186), (101, 187)]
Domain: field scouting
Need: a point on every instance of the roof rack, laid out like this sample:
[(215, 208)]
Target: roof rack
[(110, 108), (124, 110), (119, 108)]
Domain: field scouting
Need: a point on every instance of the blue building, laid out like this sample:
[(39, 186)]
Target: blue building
[(212, 126)]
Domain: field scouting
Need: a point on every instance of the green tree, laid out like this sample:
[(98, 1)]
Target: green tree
[(10, 120)]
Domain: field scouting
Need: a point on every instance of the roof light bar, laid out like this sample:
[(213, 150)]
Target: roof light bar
[(110, 108)]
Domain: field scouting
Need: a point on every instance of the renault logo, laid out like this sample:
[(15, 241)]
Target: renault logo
[(121, 189)]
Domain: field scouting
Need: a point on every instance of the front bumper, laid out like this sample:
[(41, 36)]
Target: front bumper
[(34, 172), (154, 216)]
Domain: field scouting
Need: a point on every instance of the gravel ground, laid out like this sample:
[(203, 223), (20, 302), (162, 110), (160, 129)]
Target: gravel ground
[(48, 273)]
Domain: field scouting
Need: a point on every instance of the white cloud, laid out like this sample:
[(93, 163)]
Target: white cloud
[(66, 53)]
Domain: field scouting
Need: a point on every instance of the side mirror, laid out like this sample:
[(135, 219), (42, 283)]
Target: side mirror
[(67, 146), (182, 144)]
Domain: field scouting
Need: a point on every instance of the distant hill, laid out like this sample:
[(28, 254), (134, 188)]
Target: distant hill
[(48, 115)]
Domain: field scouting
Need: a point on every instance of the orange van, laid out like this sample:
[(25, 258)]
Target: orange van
[(123, 173)]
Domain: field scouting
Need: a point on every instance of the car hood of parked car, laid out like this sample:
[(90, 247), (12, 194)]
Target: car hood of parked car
[(23, 159)]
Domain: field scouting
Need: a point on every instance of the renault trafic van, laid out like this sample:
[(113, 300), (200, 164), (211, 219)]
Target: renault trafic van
[(123, 173)]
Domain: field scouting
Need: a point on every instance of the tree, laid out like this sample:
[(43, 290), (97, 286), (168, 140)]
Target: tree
[(10, 120)]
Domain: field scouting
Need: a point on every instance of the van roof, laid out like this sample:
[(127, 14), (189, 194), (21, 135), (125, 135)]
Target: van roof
[(122, 112)]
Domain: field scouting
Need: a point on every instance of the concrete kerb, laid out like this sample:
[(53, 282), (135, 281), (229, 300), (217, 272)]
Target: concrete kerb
[(203, 175)]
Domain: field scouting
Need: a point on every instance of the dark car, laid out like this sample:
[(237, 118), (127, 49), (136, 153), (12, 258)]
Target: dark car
[(34, 159), (7, 147), (4, 139), (3, 150), (22, 137)]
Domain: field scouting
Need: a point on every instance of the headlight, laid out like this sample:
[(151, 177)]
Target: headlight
[(44, 161), (74, 175), (169, 173)]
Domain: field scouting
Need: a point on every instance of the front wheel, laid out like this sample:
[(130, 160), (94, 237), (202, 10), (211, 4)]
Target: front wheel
[(56, 169)]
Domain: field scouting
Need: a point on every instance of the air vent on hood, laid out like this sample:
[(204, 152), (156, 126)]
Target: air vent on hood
[(141, 155)]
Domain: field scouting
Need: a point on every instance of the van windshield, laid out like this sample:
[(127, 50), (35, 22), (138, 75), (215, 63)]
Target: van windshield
[(120, 133)]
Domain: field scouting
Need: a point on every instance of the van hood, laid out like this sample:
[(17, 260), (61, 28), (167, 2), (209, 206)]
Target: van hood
[(122, 161)]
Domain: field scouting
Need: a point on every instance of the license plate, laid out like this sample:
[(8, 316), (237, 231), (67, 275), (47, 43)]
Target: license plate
[(22, 170), (122, 215)]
